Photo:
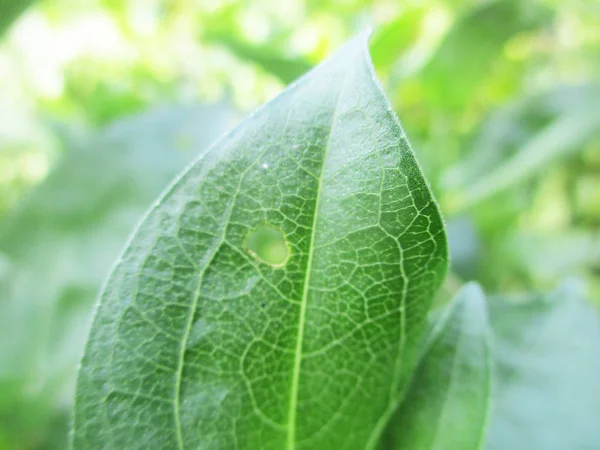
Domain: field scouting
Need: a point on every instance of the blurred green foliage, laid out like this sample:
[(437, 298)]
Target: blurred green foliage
[(547, 359), (10, 10), (103, 102), (58, 244)]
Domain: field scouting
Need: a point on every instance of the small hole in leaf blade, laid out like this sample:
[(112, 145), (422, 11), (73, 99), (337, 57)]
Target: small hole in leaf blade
[(268, 245)]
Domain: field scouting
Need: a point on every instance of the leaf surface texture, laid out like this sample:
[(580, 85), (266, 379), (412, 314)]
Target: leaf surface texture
[(198, 344)]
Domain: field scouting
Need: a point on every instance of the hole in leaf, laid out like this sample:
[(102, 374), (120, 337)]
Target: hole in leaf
[(267, 244)]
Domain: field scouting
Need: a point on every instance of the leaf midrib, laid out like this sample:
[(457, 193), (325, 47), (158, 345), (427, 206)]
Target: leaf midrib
[(459, 309), (196, 298), (452, 380), (291, 436)]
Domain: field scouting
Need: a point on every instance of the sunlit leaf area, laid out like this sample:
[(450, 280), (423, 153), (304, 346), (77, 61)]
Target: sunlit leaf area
[(104, 103)]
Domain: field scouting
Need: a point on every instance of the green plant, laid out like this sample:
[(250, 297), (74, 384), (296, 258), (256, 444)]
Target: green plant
[(278, 296)]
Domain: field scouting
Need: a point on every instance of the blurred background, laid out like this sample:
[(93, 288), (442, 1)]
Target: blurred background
[(103, 102)]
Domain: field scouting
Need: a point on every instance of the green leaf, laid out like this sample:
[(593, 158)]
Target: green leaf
[(553, 255), (10, 10), (199, 344), (473, 44), (568, 133), (391, 40), (286, 68), (547, 395), (446, 406), (507, 130)]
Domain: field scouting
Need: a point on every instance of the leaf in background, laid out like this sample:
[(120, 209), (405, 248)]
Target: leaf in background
[(470, 48), (568, 133), (446, 405), (63, 239), (498, 138), (547, 395), (197, 343), (521, 139), (465, 246), (554, 255), (286, 68), (393, 38), (10, 10)]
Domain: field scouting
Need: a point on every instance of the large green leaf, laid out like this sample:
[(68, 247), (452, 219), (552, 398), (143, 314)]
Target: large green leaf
[(446, 406), (199, 343), (547, 395)]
